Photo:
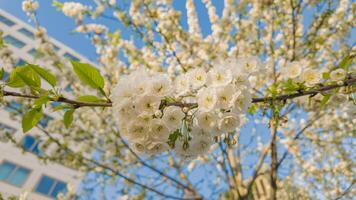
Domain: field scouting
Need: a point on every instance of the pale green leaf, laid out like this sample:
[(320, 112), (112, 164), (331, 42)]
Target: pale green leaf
[(40, 101), (68, 118), (47, 76), (90, 98), (2, 72), (31, 119), (89, 75), (17, 81)]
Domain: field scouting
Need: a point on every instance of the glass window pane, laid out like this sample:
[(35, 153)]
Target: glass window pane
[(28, 143), (32, 52), (6, 21), (5, 170), (19, 177), (14, 42), (45, 185), (27, 33), (20, 62), (71, 57), (60, 188)]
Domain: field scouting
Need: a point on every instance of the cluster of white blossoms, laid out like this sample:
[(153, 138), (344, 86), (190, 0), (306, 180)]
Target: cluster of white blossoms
[(92, 28), (300, 73), (29, 6), (202, 104), (74, 10)]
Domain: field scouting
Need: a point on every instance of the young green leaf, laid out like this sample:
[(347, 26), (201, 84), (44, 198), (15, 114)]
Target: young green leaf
[(62, 107), (89, 75), (47, 76), (17, 81), (90, 98), (31, 119), (173, 138), (346, 62), (40, 101), (68, 118), (28, 81), (2, 72)]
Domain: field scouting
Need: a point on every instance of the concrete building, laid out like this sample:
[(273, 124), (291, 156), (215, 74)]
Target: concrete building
[(20, 169)]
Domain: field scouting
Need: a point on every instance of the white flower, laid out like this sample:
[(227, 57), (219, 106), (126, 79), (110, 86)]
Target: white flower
[(229, 122), (249, 65), (242, 101), (182, 84), (137, 131), (124, 110), (198, 77), (147, 104), (338, 75), (158, 130), (207, 121), (74, 9), (157, 147), (206, 99), (311, 77), (225, 96), (219, 76), (139, 147), (160, 86), (293, 70), (172, 117), (29, 6)]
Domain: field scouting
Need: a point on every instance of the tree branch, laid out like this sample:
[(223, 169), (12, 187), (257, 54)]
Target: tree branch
[(283, 97)]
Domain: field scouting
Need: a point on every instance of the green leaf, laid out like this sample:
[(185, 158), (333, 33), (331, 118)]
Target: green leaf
[(28, 81), (325, 100), (290, 86), (26, 74), (173, 138), (68, 118), (89, 75), (40, 101), (326, 75), (252, 109), (90, 98), (62, 107), (2, 72), (47, 76), (31, 119), (346, 62)]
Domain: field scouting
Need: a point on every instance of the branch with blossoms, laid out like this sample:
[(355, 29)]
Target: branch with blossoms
[(311, 92)]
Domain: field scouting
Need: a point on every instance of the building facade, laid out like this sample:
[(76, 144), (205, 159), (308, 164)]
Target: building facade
[(20, 169)]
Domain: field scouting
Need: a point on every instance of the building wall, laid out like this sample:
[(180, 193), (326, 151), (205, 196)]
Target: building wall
[(8, 152)]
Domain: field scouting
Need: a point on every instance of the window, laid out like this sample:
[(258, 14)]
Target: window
[(56, 48), (51, 187), (20, 62), (30, 144), (68, 88), (14, 42), (27, 33), (6, 21), (6, 129), (44, 121), (32, 52), (13, 174), (13, 106), (71, 57)]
